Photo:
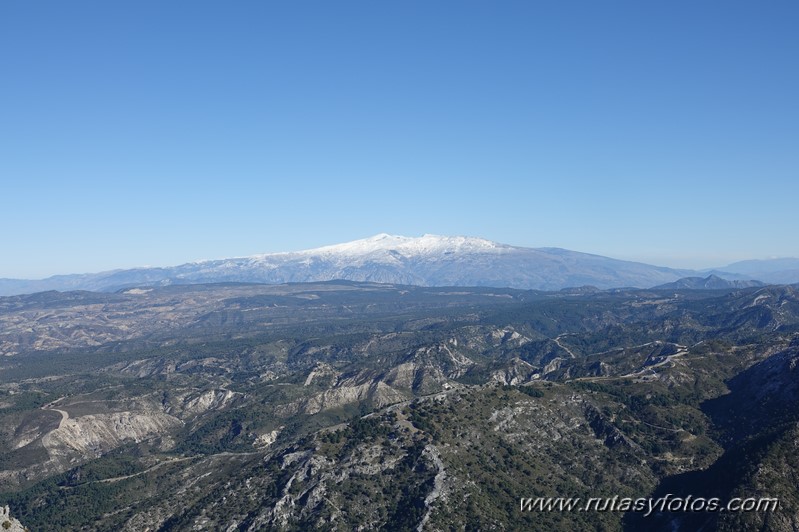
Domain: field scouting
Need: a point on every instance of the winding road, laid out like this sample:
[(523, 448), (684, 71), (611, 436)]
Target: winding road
[(64, 413)]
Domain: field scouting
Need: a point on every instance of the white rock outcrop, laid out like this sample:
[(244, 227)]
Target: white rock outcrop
[(94, 434), (8, 523)]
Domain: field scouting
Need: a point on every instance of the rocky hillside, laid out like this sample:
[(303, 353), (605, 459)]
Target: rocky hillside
[(361, 406)]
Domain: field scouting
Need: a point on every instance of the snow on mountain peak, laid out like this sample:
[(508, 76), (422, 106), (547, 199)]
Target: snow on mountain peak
[(409, 246)]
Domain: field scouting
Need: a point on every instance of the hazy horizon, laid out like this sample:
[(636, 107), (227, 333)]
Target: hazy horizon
[(655, 261), (164, 133)]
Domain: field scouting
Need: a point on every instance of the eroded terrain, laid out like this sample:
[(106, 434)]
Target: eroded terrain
[(362, 406)]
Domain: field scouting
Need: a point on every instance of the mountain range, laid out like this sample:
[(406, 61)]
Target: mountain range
[(711, 282), (429, 260), (366, 406), (772, 271)]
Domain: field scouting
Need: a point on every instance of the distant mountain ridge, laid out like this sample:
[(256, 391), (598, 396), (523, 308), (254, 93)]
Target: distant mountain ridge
[(711, 282), (429, 260), (775, 271)]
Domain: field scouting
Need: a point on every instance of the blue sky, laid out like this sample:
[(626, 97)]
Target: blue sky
[(156, 133)]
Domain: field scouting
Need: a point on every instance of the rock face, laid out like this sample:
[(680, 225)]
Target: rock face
[(209, 400), (8, 523), (94, 435), (516, 372)]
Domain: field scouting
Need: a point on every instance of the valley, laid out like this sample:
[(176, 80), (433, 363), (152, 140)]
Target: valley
[(346, 405)]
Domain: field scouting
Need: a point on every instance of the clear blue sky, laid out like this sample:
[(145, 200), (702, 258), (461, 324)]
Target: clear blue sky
[(156, 133)]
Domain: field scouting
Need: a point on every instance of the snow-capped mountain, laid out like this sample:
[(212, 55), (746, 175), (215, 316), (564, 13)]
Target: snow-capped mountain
[(428, 260), (427, 244)]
